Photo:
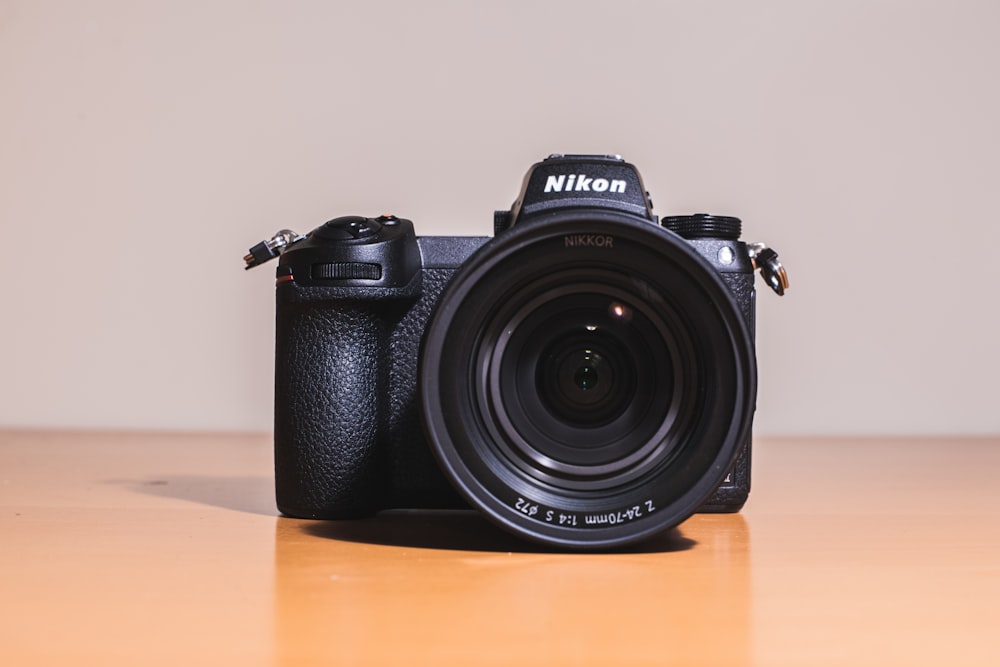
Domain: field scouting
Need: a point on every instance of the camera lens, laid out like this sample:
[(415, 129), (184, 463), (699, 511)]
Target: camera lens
[(570, 365), (578, 382), (586, 375), (586, 395)]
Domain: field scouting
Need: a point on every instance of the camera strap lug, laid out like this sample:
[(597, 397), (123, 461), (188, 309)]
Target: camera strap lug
[(271, 248), (766, 261)]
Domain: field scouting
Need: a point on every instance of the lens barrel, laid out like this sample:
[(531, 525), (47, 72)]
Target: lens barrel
[(586, 380)]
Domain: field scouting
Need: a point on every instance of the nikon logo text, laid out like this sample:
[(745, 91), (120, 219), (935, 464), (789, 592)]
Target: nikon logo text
[(582, 183), (588, 241)]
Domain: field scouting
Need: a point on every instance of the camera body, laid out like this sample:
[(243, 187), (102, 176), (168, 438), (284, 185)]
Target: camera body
[(586, 377)]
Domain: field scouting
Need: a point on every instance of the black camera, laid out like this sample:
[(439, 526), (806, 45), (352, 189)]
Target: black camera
[(586, 377)]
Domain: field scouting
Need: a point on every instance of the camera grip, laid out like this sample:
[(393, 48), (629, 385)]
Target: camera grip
[(329, 384)]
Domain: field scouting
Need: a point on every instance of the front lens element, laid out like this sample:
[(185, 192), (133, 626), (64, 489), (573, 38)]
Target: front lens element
[(580, 397), (577, 381)]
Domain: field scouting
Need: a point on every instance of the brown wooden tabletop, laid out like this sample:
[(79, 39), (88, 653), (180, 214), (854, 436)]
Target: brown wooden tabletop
[(149, 549)]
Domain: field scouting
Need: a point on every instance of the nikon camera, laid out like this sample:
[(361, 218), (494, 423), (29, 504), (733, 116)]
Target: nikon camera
[(586, 377)]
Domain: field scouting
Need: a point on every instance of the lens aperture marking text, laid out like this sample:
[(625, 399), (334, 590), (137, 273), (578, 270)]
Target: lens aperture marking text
[(573, 519)]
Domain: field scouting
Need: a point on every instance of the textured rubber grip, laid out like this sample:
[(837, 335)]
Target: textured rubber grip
[(329, 386)]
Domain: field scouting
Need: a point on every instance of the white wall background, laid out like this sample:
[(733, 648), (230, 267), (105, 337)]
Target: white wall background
[(144, 146)]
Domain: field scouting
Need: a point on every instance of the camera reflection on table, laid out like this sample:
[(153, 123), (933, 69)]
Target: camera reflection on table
[(453, 584)]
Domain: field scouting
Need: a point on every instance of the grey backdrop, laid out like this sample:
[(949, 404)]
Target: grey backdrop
[(145, 145)]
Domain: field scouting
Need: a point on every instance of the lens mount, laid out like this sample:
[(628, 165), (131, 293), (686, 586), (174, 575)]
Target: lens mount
[(586, 394)]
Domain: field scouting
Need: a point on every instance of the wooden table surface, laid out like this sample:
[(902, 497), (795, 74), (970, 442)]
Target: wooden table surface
[(148, 549)]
